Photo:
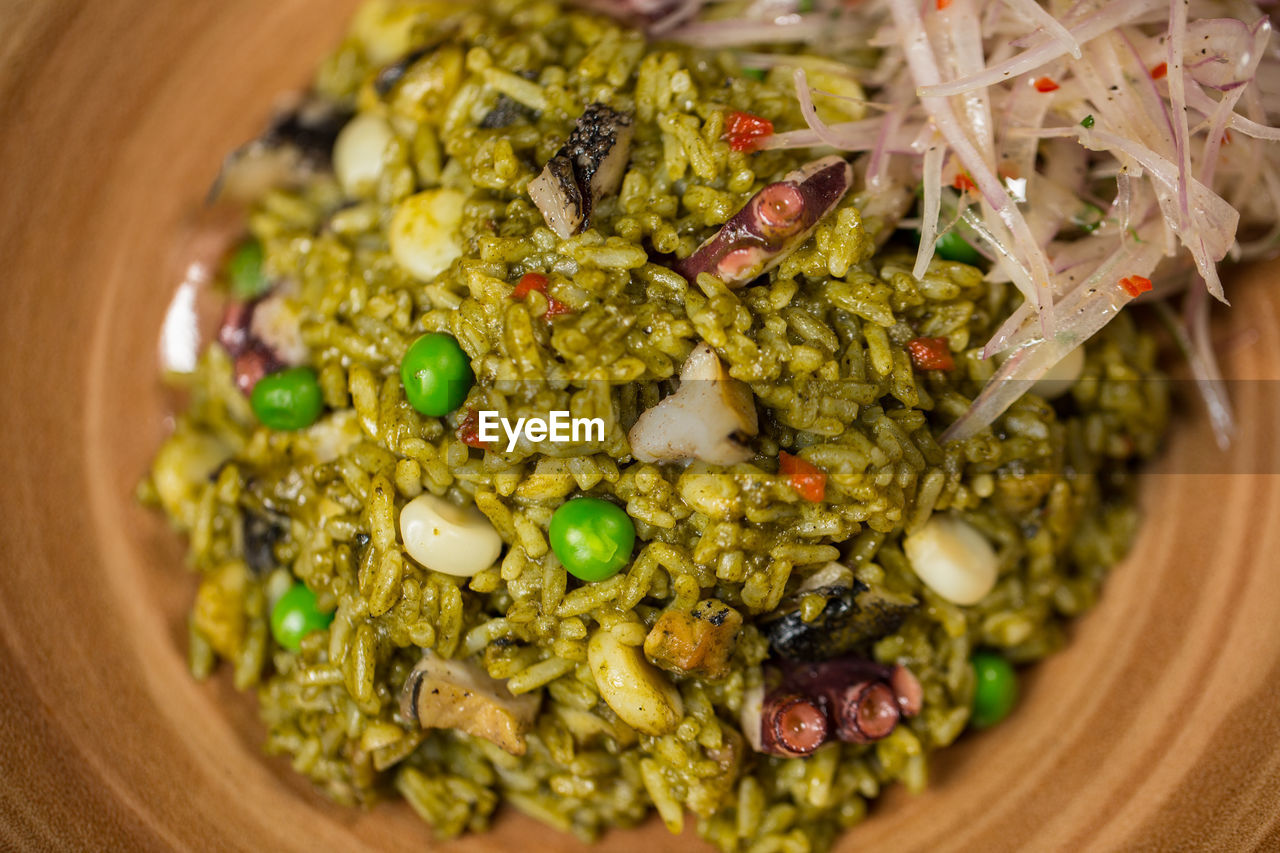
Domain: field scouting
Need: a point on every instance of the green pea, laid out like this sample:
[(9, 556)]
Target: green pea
[(592, 538), (288, 400), (245, 270), (952, 247), (295, 616), (436, 374), (995, 689)]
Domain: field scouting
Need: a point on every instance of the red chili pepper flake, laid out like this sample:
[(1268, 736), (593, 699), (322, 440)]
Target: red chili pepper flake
[(931, 354), (1135, 285), (469, 430), (963, 182), (942, 4), (1044, 84), (805, 477), (1226, 137), (537, 281), (1159, 71), (744, 130)]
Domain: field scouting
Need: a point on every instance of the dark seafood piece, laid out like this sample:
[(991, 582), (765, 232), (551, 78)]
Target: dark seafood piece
[(852, 616), (392, 74), (455, 694), (261, 338), (297, 144), (853, 699), (864, 712), (825, 676), (233, 333), (559, 197), (261, 534), (792, 725), (775, 222), (253, 364), (588, 168), (506, 112)]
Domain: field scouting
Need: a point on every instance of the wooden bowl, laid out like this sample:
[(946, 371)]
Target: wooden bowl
[(1157, 728)]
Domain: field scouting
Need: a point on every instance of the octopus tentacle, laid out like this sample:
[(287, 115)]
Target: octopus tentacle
[(775, 222), (852, 699)]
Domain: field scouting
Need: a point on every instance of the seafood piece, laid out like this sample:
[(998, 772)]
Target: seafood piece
[(792, 725), (776, 221), (854, 614), (853, 699), (262, 336), (454, 694), (298, 144), (588, 168), (698, 642), (705, 419), (865, 712)]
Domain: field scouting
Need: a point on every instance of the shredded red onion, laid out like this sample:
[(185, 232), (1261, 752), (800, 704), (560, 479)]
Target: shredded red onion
[(718, 34), (1115, 14), (1039, 114), (1038, 17), (932, 203), (924, 69), (1229, 50)]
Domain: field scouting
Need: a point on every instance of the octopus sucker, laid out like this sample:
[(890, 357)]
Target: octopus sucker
[(775, 222)]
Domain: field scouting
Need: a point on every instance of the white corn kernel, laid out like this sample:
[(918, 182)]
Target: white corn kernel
[(358, 152), (446, 538), (424, 232), (953, 559), (638, 693)]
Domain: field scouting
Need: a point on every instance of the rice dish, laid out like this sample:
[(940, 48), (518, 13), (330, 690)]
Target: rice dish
[(751, 591)]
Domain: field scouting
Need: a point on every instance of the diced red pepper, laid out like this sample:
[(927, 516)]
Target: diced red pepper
[(1135, 285), (555, 308), (744, 130), (931, 354), (1159, 71), (469, 430), (805, 477), (1044, 84), (537, 281), (532, 281), (963, 182), (942, 4)]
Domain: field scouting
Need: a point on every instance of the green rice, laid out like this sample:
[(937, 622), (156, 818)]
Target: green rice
[(822, 344)]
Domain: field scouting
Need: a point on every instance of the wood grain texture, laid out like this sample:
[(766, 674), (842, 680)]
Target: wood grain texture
[(1157, 729)]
